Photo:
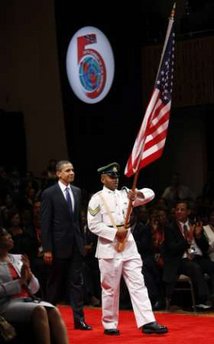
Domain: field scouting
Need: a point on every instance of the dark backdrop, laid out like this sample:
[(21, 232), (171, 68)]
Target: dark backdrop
[(12, 140)]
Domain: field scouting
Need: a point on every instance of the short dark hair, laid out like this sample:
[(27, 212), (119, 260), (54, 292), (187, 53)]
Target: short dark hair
[(60, 164)]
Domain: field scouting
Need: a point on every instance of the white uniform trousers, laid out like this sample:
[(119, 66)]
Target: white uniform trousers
[(131, 270)]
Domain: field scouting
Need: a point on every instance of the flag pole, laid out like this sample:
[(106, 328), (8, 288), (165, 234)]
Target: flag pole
[(171, 20), (121, 244), (129, 210)]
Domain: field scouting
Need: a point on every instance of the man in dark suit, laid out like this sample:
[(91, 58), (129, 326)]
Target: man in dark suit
[(62, 241), (185, 249)]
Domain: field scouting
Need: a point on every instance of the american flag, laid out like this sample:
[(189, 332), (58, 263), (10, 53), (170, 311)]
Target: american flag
[(151, 137)]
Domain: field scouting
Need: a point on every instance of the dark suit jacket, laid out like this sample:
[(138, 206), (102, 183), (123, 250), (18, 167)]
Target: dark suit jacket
[(175, 246), (60, 229)]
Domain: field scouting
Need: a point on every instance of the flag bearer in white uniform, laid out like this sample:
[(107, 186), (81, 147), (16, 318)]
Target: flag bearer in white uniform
[(106, 217)]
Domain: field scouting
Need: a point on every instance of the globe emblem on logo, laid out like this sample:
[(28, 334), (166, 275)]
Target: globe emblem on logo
[(90, 64), (91, 73)]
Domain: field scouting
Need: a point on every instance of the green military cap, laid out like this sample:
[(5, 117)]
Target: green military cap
[(110, 169)]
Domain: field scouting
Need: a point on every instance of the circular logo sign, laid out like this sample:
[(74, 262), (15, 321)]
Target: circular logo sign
[(90, 64)]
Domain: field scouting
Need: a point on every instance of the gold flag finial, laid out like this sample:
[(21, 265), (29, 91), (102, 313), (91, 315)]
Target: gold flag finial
[(173, 11)]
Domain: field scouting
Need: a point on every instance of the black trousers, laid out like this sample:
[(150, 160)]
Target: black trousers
[(65, 282), (193, 270)]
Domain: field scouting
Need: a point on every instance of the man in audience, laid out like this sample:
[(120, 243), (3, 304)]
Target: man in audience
[(185, 252)]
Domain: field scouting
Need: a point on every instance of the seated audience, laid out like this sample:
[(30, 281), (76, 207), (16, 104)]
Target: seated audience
[(24, 241), (18, 305), (208, 189), (38, 266), (149, 239), (209, 232), (185, 252)]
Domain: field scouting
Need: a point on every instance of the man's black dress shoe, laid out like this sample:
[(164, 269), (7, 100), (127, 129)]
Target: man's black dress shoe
[(112, 332), (81, 325), (154, 327)]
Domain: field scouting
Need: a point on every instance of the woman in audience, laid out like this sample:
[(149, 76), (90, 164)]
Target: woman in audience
[(24, 242), (17, 302)]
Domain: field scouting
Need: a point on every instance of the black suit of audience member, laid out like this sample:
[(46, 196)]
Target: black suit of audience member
[(177, 257), (62, 242)]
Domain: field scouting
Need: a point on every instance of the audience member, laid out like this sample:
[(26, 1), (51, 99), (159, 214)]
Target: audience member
[(39, 268), (209, 232), (24, 242), (49, 176), (149, 239), (8, 204), (177, 192), (208, 189), (17, 302), (27, 200), (30, 181), (5, 184), (15, 181), (185, 249), (141, 214)]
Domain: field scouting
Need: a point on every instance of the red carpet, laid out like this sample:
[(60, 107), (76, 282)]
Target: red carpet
[(183, 328)]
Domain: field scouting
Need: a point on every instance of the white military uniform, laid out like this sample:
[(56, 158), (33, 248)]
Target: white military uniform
[(114, 264)]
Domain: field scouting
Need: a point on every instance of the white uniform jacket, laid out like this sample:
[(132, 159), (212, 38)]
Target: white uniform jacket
[(99, 222)]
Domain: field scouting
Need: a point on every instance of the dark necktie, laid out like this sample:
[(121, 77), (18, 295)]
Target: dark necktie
[(68, 200), (185, 231)]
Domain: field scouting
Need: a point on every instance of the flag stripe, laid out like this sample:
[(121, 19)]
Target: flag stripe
[(155, 148), (159, 120), (156, 140)]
